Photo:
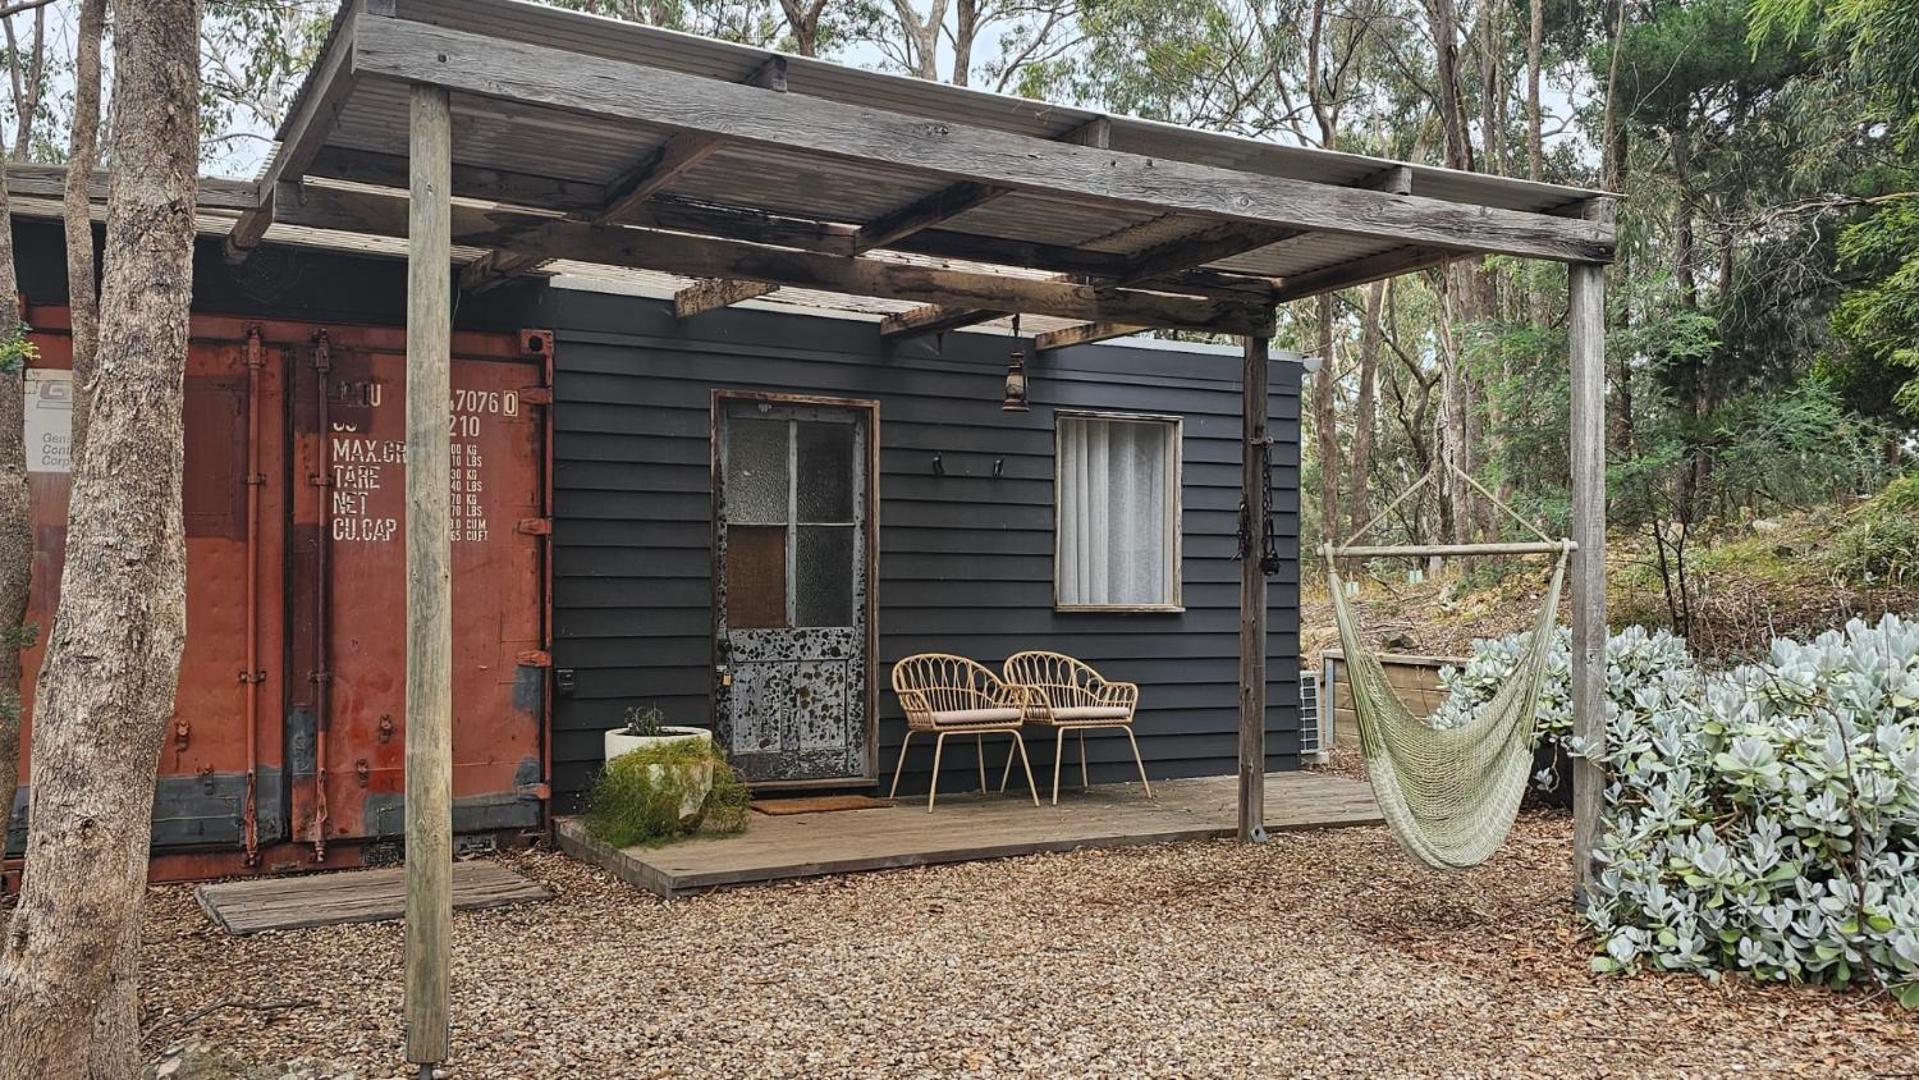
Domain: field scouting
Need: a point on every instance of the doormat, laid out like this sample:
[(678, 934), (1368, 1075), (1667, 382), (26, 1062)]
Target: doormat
[(817, 804)]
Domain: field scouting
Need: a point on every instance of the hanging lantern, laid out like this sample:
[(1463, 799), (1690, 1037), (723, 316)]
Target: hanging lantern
[(1015, 375)]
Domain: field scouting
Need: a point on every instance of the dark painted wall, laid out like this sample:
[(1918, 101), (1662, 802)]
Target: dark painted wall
[(965, 559)]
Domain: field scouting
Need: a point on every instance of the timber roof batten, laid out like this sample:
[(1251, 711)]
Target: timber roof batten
[(599, 141)]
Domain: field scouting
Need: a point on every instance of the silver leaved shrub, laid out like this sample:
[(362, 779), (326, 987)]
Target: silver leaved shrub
[(1762, 820)]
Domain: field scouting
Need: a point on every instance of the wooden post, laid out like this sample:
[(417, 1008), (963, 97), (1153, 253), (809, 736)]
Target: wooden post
[(1256, 493), (429, 603), (1586, 319)]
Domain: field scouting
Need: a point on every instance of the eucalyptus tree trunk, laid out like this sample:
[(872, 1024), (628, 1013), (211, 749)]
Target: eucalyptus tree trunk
[(114, 656), (1360, 462), (1326, 422), (83, 154)]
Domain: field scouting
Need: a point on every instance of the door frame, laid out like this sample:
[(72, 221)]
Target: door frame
[(871, 407)]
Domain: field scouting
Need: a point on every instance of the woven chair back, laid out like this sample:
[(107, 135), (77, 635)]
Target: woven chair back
[(1068, 683)]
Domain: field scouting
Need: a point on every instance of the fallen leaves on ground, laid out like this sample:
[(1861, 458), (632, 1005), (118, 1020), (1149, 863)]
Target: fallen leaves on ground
[(1323, 953)]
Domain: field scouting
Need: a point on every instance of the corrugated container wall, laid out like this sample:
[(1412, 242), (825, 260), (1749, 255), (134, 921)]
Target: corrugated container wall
[(294, 671)]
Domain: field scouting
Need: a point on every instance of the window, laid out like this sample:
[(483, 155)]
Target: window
[(1116, 527)]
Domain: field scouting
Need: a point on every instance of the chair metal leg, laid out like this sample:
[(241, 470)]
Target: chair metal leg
[(933, 790), (1083, 781), (979, 751), (1139, 761), (1059, 751), (901, 764), (1006, 773), (1027, 764)]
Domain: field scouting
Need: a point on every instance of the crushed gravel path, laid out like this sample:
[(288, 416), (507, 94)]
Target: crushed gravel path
[(1318, 954)]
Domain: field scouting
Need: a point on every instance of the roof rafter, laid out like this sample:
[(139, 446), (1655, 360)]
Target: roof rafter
[(1219, 240), (889, 230), (550, 237), (680, 154)]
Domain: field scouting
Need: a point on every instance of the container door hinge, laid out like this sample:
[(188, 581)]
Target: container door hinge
[(536, 395), (182, 732), (534, 658), (534, 526)]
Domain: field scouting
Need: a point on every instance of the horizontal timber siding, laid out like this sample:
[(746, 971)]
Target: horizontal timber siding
[(966, 561)]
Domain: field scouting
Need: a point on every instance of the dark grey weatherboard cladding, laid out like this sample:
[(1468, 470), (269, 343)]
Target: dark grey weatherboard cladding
[(965, 559)]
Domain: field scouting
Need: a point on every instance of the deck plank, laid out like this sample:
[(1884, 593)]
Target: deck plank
[(290, 903), (968, 827)]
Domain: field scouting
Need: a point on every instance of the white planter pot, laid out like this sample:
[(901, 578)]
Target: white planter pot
[(698, 777)]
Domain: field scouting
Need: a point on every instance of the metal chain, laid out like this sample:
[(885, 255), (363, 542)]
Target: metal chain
[(1269, 560)]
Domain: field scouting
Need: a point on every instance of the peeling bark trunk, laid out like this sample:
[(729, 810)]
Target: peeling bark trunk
[(113, 660), (1535, 135), (1326, 421), (1360, 469), (82, 156)]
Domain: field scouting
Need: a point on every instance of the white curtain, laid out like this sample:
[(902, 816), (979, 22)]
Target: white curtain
[(1115, 497)]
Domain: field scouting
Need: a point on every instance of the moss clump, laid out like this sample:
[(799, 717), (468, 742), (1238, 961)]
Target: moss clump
[(639, 796)]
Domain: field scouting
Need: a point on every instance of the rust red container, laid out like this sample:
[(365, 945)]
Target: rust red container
[(286, 747)]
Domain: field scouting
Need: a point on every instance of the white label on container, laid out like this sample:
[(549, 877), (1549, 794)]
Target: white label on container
[(49, 420)]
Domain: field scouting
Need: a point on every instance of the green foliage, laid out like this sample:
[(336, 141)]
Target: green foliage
[(1767, 820), (645, 721), (1880, 541), (17, 352), (1880, 319), (1636, 659), (638, 797)]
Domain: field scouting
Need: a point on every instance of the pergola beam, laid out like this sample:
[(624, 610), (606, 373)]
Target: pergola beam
[(1217, 241), (560, 78), (1084, 334), (546, 237)]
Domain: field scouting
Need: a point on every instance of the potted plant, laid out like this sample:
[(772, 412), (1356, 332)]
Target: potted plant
[(678, 757)]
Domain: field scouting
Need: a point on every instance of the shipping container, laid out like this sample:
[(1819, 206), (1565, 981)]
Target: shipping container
[(286, 745)]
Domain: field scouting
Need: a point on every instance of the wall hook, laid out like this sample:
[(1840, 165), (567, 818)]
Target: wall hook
[(999, 467), (939, 464)]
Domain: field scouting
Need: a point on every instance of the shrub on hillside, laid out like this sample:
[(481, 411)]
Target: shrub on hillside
[(1880, 541)]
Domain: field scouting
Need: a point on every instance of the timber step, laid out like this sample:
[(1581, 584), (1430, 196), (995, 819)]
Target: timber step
[(350, 896)]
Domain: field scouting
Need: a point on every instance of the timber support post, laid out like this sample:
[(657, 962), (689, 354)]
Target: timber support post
[(1255, 495), (1586, 321), (429, 604)]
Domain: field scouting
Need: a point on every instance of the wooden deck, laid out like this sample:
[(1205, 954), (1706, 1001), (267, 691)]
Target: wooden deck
[(288, 903), (967, 827)]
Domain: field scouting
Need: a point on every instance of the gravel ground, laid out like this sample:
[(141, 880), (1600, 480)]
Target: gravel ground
[(1320, 954)]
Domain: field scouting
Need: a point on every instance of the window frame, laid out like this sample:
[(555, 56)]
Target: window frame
[(1175, 516)]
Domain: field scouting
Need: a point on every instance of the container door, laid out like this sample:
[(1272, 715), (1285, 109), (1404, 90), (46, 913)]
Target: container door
[(791, 580), (203, 799), (349, 616)]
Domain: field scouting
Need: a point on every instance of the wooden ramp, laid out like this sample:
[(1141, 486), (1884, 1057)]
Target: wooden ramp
[(968, 827), (288, 903)]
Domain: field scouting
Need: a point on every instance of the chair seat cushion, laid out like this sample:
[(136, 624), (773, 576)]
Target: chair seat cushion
[(973, 717), (1075, 714)]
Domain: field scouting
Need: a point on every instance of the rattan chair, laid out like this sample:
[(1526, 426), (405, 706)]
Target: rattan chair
[(1068, 695), (948, 695)]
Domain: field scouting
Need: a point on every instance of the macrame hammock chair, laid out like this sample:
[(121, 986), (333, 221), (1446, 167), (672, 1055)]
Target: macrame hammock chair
[(1449, 795)]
